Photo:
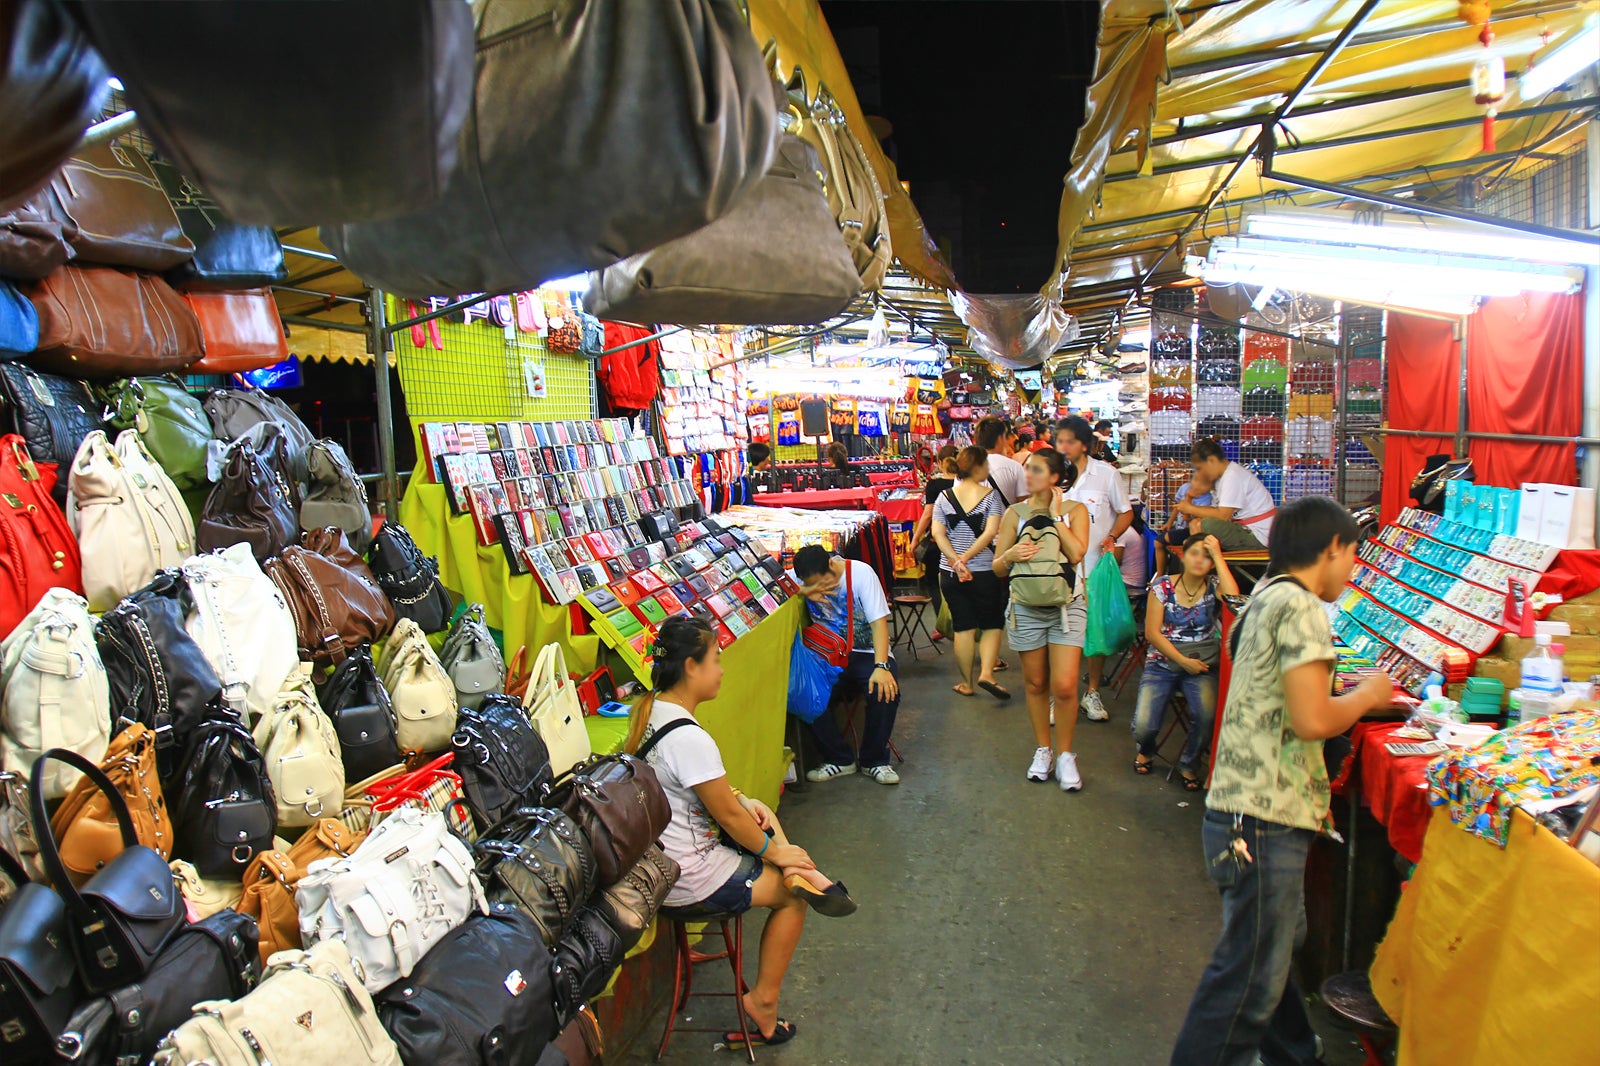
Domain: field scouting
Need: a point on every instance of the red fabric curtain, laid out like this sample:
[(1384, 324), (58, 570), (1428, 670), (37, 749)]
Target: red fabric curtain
[(1525, 375), (1424, 389)]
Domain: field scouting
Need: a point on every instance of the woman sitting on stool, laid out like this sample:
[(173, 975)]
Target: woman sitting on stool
[(730, 849)]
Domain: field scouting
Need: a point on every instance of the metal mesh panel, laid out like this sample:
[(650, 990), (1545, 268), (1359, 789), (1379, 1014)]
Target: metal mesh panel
[(1554, 195)]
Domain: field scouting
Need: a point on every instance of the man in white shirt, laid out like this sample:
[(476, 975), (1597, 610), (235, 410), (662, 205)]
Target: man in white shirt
[(1242, 516), (1005, 473), (1099, 488)]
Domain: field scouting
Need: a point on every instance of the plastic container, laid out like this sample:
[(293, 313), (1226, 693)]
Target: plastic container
[(1542, 671)]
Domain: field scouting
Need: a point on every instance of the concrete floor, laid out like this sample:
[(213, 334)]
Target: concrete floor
[(1002, 922)]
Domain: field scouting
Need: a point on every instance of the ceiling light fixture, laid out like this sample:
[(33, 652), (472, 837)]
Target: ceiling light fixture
[(1403, 231)]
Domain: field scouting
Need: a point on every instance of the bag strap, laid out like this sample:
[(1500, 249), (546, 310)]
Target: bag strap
[(1238, 623), (13, 869), (660, 734), (973, 521), (849, 608), (48, 851)]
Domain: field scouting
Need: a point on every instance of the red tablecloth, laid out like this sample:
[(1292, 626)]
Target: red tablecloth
[(1394, 787), (907, 510), (818, 500)]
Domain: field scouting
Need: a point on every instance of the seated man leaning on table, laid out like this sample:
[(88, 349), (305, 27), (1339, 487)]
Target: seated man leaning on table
[(1241, 513), (822, 580)]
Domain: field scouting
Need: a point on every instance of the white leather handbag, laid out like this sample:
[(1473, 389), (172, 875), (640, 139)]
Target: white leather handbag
[(309, 1008), (243, 626), (53, 691), (472, 659), (302, 752), (409, 883), (128, 517), (424, 699), (553, 707)]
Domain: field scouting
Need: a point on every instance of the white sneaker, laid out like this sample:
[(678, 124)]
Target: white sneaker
[(1067, 772), (1093, 708), (883, 775), (828, 771), (1039, 769)]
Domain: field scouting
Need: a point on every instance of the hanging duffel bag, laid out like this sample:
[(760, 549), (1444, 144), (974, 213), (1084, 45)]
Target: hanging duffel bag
[(538, 860), (472, 659), (335, 600), (128, 517), (85, 827), (247, 506), (502, 762), (223, 808), (424, 699), (612, 182), (107, 322), (302, 752), (241, 331), (115, 212), (363, 717), (335, 495), (409, 579), (53, 690), (243, 626), (172, 424), (54, 86)]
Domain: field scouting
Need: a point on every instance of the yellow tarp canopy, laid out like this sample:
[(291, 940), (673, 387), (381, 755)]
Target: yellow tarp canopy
[(329, 345)]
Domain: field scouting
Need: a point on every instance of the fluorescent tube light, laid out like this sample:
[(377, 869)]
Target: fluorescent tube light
[(1565, 60), (1468, 275), (1401, 231)]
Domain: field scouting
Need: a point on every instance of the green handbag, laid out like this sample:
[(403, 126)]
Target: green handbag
[(172, 424)]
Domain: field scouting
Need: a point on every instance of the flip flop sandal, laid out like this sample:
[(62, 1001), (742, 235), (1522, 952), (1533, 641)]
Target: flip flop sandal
[(1191, 784), (782, 1033), (994, 690), (1001, 664), (1142, 768), (833, 902), (957, 690)]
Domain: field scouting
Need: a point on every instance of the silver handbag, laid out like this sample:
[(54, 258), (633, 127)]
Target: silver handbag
[(336, 496), (472, 659)]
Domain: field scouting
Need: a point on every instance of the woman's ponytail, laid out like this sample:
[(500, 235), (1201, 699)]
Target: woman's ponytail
[(679, 639)]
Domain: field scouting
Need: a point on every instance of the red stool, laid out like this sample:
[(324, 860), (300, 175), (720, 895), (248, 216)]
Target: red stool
[(684, 960)]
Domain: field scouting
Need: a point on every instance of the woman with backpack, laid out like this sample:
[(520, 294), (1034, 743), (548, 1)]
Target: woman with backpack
[(1042, 540), (966, 518)]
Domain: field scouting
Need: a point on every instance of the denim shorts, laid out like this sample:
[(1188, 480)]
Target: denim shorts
[(1031, 628), (733, 897)]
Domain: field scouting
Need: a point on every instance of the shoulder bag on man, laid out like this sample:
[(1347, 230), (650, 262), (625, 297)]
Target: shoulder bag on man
[(833, 646)]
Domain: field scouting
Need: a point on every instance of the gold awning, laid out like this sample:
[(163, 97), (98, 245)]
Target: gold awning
[(329, 346)]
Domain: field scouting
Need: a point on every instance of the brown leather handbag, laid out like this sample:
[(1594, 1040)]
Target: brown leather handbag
[(247, 505), (621, 808), (328, 839), (269, 898), (54, 85), (241, 330), (336, 602), (119, 214), (101, 322), (86, 827), (32, 244)]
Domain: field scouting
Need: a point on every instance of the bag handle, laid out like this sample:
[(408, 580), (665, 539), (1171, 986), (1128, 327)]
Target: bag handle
[(412, 781), (48, 852), (13, 869)]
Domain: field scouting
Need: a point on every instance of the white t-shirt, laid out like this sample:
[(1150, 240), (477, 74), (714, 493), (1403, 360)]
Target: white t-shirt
[(685, 758), (1243, 491), (870, 603), (1099, 488), (1008, 476), (1135, 567)]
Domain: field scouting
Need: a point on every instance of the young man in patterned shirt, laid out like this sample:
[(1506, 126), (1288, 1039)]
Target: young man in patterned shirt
[(1269, 794)]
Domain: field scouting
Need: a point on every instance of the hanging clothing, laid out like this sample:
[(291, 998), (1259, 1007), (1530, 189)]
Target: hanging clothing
[(632, 377)]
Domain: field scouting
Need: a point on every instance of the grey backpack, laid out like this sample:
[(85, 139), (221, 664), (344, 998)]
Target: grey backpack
[(472, 659), (336, 496)]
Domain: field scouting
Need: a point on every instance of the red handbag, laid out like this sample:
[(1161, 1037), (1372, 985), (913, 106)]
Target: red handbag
[(37, 548), (241, 331), (828, 643)]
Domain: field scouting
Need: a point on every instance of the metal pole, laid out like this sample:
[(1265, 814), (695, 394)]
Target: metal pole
[(1589, 473), (1340, 456), (1529, 438), (109, 130), (644, 340), (378, 342), (311, 253), (1461, 403), (1215, 320)]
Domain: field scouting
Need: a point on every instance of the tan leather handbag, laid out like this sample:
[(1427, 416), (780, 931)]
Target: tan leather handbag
[(301, 748), (85, 824), (423, 694), (128, 516), (204, 897), (851, 186), (336, 602), (114, 210), (102, 322), (328, 839), (268, 897)]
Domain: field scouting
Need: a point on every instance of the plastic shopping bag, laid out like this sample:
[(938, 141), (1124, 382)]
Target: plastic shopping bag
[(1111, 626), (811, 681)]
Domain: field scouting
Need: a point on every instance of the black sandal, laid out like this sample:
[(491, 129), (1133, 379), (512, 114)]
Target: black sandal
[(1143, 769), (1190, 784), (994, 690), (782, 1033), (832, 902)]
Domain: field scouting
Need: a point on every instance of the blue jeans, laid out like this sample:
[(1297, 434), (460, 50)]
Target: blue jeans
[(1156, 686), (880, 715), (1248, 1003)]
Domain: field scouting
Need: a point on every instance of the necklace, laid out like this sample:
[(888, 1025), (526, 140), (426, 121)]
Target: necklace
[(1183, 583)]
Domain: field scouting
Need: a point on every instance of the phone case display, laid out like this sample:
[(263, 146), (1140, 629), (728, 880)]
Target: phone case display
[(702, 394), (782, 531), (1361, 401)]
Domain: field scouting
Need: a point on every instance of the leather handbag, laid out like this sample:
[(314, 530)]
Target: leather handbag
[(409, 579), (157, 674), (586, 957), (309, 1007), (37, 550), (775, 258), (502, 762), (481, 996), (424, 699), (241, 331), (118, 212), (171, 423), (580, 1043), (13, 875), (329, 838), (630, 905), (854, 194), (275, 450), (85, 826), (621, 808), (538, 860), (39, 983), (267, 895), (228, 255), (17, 837), (52, 414), (363, 717), (472, 659), (247, 506), (243, 626), (223, 807), (517, 673), (546, 75), (335, 600), (118, 922), (302, 752), (203, 896), (109, 322), (54, 86), (32, 243), (233, 412), (19, 322), (53, 690), (216, 957), (335, 496), (553, 708), (409, 883), (128, 517)]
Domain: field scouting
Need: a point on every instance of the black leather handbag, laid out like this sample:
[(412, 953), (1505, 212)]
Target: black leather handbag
[(501, 758), (54, 85), (630, 905), (223, 809), (250, 505), (538, 861), (228, 255), (585, 959), (216, 958), (363, 716), (53, 414), (39, 984), (123, 917), (158, 675), (480, 996), (409, 578)]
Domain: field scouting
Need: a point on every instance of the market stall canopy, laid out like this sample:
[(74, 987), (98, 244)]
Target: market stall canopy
[(1378, 96)]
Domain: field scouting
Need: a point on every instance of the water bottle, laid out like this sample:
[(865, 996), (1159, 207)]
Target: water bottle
[(1542, 670)]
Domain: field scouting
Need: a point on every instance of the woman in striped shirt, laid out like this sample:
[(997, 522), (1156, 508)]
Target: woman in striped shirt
[(966, 518)]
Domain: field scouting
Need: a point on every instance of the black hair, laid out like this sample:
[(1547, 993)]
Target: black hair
[(1066, 474), (988, 432), (1079, 427), (969, 459), (680, 639), (811, 561), (1194, 538), (1139, 526), (1305, 528), (758, 454), (1206, 449), (947, 454), (1103, 426), (839, 456)]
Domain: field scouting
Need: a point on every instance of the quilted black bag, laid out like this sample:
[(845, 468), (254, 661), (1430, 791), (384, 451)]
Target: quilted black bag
[(363, 716), (409, 578), (223, 807), (53, 414), (502, 760), (539, 861), (585, 960)]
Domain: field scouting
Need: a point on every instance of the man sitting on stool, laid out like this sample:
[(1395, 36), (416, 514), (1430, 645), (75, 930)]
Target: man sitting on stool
[(821, 577), (1242, 516)]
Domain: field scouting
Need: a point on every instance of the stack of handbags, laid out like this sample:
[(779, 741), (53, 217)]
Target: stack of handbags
[(422, 693), (235, 412), (248, 505), (336, 603), (268, 891), (409, 579), (128, 516), (223, 808), (170, 422), (55, 85), (37, 549)]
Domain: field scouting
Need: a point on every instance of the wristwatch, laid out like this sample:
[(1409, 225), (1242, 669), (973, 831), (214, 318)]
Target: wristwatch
[(880, 666)]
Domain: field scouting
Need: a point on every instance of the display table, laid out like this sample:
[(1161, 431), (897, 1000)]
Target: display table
[(1492, 957), (818, 499), (1393, 787)]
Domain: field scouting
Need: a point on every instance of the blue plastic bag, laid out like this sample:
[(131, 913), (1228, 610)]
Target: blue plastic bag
[(1111, 626), (811, 681)]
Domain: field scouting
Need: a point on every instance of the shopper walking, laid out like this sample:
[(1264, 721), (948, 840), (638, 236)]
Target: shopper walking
[(924, 549), (1042, 539), (1269, 793), (966, 520), (1241, 515), (1183, 623), (1099, 488), (994, 434), (731, 851)]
